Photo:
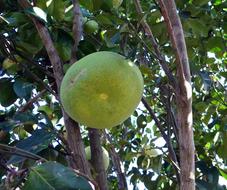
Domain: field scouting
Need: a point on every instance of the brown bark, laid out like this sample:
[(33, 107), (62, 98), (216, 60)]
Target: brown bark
[(122, 183), (97, 158), (77, 29), (154, 43), (183, 95), (78, 160), (172, 154)]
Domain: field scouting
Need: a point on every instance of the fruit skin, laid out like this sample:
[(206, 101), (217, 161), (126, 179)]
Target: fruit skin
[(101, 90), (117, 3), (91, 26), (10, 65), (105, 155)]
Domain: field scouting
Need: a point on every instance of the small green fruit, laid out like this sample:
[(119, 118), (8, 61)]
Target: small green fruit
[(10, 66), (105, 156), (91, 26), (101, 90), (117, 3)]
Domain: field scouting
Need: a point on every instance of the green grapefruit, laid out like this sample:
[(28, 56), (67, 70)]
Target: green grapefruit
[(101, 90), (91, 26), (105, 155)]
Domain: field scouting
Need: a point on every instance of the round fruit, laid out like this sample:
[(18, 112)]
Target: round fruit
[(117, 3), (101, 90), (105, 156), (10, 65), (91, 26)]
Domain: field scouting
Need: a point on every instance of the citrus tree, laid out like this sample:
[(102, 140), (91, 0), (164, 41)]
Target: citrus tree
[(176, 138)]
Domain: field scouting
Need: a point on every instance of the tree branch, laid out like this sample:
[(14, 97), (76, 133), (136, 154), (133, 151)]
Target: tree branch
[(172, 154), (31, 101), (97, 159), (122, 184), (155, 45), (183, 95), (78, 160), (20, 152), (77, 30)]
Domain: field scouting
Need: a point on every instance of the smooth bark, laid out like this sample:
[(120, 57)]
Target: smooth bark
[(183, 92), (97, 159)]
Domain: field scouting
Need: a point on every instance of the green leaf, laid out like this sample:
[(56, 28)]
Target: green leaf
[(7, 94), (156, 163), (223, 173), (38, 13), (28, 39), (197, 26), (88, 4), (39, 140), (17, 19), (41, 4), (213, 176), (52, 175), (214, 43), (19, 119), (23, 89), (141, 121), (202, 185), (8, 125), (57, 9), (25, 118), (200, 2), (64, 45)]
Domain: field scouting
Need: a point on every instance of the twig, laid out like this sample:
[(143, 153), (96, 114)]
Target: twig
[(31, 101), (122, 183), (20, 152), (172, 153), (77, 30), (34, 76), (150, 35)]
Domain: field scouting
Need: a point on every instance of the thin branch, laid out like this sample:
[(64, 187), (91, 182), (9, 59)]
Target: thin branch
[(32, 101), (172, 153), (20, 152), (155, 45), (10, 53), (77, 29), (122, 183)]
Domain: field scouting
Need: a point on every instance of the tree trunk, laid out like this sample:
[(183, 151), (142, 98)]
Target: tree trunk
[(183, 92)]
